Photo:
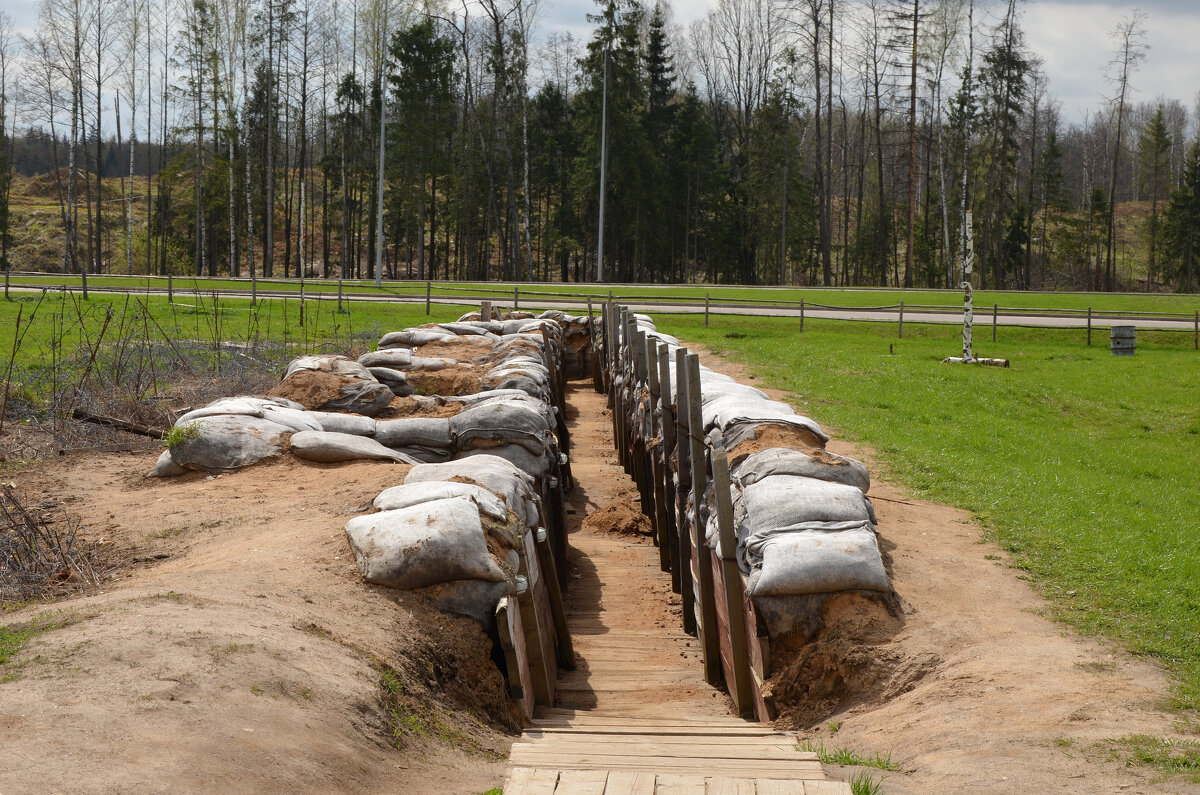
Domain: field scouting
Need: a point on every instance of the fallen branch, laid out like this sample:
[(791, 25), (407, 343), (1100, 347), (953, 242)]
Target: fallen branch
[(120, 424)]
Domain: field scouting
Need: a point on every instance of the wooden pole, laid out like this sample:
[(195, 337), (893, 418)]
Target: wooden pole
[(428, 290), (485, 311), (1089, 333), (668, 445), (1196, 332), (901, 330), (995, 315), (516, 298), (682, 436), (707, 623), (740, 689), (706, 310), (654, 449), (802, 314)]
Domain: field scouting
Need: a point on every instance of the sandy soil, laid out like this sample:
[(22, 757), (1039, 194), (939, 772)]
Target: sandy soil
[(241, 651), (972, 689)]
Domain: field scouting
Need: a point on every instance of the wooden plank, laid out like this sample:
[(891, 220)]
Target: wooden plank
[(731, 739), (770, 768), (706, 622), (827, 788), (682, 418), (512, 641), (562, 632), (668, 446), (531, 781), (723, 785), (629, 782), (582, 782), (740, 683), (676, 784), (717, 752)]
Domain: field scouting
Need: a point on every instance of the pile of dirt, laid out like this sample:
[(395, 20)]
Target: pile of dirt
[(310, 388), (407, 407), (848, 663), (622, 516), (451, 381), (770, 435), (461, 349)]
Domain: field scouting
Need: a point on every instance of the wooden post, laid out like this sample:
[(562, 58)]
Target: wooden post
[(707, 623), (1196, 332), (657, 470), (1089, 333), (682, 435), (802, 314), (6, 284), (901, 331), (171, 289), (740, 688), (668, 444), (428, 290), (706, 310), (516, 298), (485, 311), (339, 309), (562, 633), (995, 313)]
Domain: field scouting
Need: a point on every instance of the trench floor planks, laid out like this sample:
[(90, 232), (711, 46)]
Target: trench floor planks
[(635, 716)]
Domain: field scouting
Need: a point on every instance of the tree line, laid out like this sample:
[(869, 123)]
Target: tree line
[(823, 142)]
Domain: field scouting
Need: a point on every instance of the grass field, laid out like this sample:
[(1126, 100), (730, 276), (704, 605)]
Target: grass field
[(538, 293), (1082, 465)]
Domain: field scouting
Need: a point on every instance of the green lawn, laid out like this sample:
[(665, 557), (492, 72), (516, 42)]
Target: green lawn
[(1084, 466), (538, 293)]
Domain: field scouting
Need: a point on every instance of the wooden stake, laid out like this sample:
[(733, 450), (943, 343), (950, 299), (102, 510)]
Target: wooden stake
[(428, 291), (668, 445), (707, 624), (740, 689), (1089, 333), (995, 314), (901, 331), (683, 433)]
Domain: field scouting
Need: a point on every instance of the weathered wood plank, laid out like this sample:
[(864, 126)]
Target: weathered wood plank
[(723, 785), (581, 782), (826, 788), (531, 781), (629, 782), (675, 784)]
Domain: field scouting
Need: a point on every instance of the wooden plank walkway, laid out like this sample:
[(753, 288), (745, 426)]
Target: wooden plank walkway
[(636, 717)]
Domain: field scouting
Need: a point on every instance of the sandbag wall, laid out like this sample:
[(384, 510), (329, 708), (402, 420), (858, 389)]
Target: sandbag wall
[(478, 521), (756, 522)]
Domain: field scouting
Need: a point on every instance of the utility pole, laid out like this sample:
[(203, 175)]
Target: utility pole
[(603, 156)]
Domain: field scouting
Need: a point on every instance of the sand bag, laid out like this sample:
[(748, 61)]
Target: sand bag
[(328, 447), (423, 545), (327, 363), (413, 337), (501, 422), (227, 442), (495, 474), (433, 433), (408, 494), (817, 464), (395, 358), (820, 561), (334, 422)]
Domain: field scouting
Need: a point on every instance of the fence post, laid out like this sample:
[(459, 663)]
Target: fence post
[(1089, 333), (707, 623), (657, 416), (428, 290), (668, 444), (802, 314), (900, 332), (995, 313), (740, 689), (485, 311), (170, 289), (683, 447), (516, 298), (339, 295), (6, 284), (1196, 332), (706, 310)]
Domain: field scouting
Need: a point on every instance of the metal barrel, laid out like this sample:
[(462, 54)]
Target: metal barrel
[(1124, 340)]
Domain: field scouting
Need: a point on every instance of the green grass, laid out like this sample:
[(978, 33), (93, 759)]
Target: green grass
[(849, 757), (863, 783), (1167, 756), (1082, 465), (14, 638), (541, 294)]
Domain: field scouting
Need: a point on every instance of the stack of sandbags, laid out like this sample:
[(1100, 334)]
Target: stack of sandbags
[(454, 530), (335, 383)]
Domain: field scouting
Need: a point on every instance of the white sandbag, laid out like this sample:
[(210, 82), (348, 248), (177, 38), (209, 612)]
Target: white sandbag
[(718, 389), (431, 432), (328, 447), (408, 494), (329, 363), (368, 398), (165, 467), (227, 442), (817, 561), (468, 329), (423, 545), (821, 465), (501, 422), (413, 337), (336, 422), (396, 358), (393, 380), (495, 474), (776, 503), (535, 464), (245, 406)]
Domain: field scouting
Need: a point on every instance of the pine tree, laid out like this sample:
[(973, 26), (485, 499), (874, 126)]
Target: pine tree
[(1181, 227)]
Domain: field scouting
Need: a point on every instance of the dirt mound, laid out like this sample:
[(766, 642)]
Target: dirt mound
[(310, 388), (622, 516), (407, 407), (771, 435), (451, 381), (847, 663), (462, 349)]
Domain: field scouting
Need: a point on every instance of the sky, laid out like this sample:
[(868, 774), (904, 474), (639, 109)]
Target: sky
[(1071, 36)]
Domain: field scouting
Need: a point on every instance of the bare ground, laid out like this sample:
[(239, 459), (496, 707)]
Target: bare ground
[(241, 652)]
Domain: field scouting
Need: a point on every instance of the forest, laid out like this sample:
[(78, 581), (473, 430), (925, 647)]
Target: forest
[(799, 142)]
